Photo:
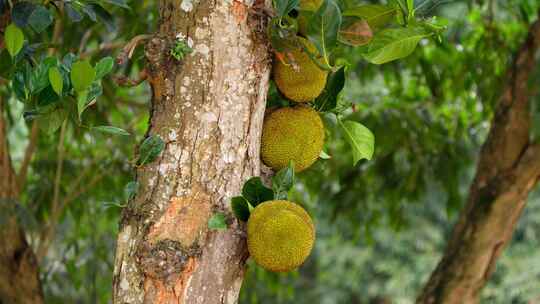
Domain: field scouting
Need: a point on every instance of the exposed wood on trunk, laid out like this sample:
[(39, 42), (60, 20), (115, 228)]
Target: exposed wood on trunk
[(19, 276), (508, 169), (209, 109)]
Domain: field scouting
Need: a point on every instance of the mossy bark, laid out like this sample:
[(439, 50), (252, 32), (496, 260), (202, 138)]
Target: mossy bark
[(208, 108)]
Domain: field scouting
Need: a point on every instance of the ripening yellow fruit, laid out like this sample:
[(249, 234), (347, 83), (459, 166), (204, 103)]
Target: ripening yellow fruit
[(280, 235), (292, 134), (305, 83)]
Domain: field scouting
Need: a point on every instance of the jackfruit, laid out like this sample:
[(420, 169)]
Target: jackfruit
[(304, 83), (280, 235), (295, 134)]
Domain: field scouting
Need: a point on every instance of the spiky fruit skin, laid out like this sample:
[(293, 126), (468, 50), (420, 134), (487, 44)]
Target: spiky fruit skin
[(280, 235), (295, 134), (303, 84)]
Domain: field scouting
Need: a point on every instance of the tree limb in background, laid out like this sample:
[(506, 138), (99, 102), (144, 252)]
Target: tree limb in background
[(19, 275), (508, 169)]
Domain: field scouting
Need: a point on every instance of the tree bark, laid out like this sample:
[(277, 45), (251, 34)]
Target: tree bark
[(19, 272), (508, 169), (209, 110)]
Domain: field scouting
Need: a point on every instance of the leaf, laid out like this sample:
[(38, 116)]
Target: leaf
[(111, 130), (283, 181), (82, 75), (94, 91), (284, 7), (150, 149), (240, 208), (104, 16), (82, 101), (392, 44), (327, 101), (120, 3), (217, 222), (56, 80), (360, 138), (14, 39), (39, 79), (50, 122), (255, 192), (21, 12), (89, 11), (324, 155), (377, 16), (324, 26), (73, 14), (130, 190), (356, 34), (40, 19), (104, 67)]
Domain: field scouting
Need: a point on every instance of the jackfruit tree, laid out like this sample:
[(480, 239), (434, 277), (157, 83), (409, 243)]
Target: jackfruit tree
[(223, 99)]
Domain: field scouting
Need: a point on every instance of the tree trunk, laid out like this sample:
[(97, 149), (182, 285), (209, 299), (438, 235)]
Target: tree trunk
[(19, 273), (209, 110), (508, 169)]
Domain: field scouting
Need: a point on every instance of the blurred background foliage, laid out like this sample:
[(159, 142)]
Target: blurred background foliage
[(381, 225)]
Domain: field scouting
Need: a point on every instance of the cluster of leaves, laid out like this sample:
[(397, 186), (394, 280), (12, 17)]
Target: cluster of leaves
[(382, 33), (255, 192), (53, 89)]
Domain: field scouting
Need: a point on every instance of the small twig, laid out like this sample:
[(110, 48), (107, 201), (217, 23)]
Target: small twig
[(49, 230), (84, 40), (28, 153), (129, 48), (125, 81)]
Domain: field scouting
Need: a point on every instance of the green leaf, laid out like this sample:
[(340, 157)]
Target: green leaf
[(150, 149), (39, 79), (72, 12), (377, 16), (104, 17), (94, 91), (120, 3), (50, 122), (360, 138), (130, 190), (324, 155), (40, 19), (56, 80), (21, 12), (111, 130), (82, 75), (217, 222), (283, 181), (240, 208), (14, 39), (255, 192), (82, 98), (104, 67), (323, 28), (327, 101), (392, 44), (284, 7)]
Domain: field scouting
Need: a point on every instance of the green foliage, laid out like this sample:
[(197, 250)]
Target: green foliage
[(150, 149), (180, 49), (217, 222), (360, 138), (255, 192), (14, 39)]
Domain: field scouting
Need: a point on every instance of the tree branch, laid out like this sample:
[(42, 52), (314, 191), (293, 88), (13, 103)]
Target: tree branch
[(28, 153), (508, 168)]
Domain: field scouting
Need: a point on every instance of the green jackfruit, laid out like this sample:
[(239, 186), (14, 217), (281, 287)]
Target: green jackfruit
[(295, 134), (280, 235), (305, 83)]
